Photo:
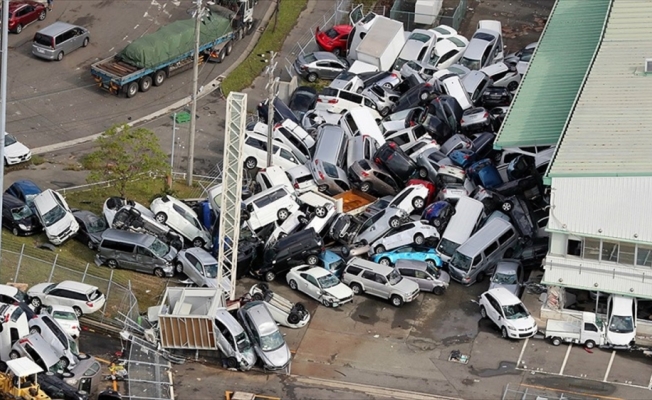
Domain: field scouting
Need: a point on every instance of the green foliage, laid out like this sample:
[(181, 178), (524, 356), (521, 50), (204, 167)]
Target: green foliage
[(271, 40), (37, 159), (123, 154)]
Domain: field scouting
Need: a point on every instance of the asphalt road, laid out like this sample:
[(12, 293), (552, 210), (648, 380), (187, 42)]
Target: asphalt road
[(52, 102)]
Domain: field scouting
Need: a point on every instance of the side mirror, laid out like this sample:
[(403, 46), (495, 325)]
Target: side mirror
[(250, 208)]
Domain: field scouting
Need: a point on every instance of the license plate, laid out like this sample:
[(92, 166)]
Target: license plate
[(40, 50)]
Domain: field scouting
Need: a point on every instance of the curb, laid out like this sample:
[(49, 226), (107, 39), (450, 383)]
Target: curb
[(207, 89)]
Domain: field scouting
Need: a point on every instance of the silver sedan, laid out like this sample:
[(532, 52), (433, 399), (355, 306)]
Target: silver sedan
[(198, 265), (384, 98), (319, 65)]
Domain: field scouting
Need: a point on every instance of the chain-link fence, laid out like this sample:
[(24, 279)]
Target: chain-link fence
[(404, 11)]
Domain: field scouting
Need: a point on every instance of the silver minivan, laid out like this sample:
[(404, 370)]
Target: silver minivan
[(136, 251), (476, 257), (329, 159), (59, 39)]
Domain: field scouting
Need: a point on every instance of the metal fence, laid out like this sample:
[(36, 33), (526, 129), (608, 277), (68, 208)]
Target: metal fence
[(403, 10), (526, 392)]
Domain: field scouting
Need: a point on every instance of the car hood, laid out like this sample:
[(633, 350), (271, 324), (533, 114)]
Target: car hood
[(340, 291), (407, 286), (16, 150), (172, 254), (521, 323), (276, 358), (67, 222), (95, 237), (444, 277), (37, 289)]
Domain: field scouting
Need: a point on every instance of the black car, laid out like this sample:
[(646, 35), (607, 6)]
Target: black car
[(447, 109), (483, 145), (495, 97), (437, 128), (91, 227), (298, 248), (520, 213), (25, 191), (396, 161), (18, 217), (303, 99), (418, 95), (281, 112), (56, 388), (532, 256)]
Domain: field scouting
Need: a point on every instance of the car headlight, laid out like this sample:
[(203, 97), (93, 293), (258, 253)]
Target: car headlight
[(23, 227), (511, 328), (72, 381)]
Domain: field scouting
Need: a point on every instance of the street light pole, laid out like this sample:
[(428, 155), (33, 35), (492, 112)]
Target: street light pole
[(3, 96), (271, 95), (193, 107)]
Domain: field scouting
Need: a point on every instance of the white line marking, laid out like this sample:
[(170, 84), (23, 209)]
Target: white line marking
[(611, 361), (520, 356), (136, 27), (649, 386), (561, 371)]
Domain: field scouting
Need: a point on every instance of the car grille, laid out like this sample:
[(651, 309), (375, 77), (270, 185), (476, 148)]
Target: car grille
[(524, 335), (346, 299), (65, 233), (413, 295)]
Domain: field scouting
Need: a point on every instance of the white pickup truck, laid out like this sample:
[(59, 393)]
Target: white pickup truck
[(588, 331)]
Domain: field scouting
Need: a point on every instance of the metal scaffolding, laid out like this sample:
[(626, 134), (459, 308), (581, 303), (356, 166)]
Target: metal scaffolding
[(230, 205)]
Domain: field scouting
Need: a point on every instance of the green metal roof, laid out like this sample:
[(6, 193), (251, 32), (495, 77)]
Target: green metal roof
[(608, 133), (557, 69)]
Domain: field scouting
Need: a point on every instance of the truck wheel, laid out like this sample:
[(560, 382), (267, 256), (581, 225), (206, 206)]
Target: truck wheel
[(589, 344), (221, 57), (557, 341), (249, 27), (145, 83), (159, 77), (229, 48), (131, 89), (240, 34), (231, 363)]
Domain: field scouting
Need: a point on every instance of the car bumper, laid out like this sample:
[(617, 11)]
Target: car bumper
[(343, 301), (19, 159), (522, 334)]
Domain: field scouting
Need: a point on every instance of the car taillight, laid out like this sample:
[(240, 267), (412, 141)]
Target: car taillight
[(74, 327), (486, 115), (277, 126), (88, 303), (332, 101), (321, 176), (262, 170), (443, 190), (392, 145), (462, 121), (377, 160), (393, 75), (304, 68), (296, 185), (364, 173), (466, 156)]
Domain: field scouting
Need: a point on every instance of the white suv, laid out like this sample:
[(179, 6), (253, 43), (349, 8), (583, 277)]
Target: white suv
[(83, 298), (182, 219), (271, 205), (56, 217), (255, 151), (509, 314)]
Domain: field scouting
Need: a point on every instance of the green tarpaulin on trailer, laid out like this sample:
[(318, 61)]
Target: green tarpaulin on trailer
[(173, 40)]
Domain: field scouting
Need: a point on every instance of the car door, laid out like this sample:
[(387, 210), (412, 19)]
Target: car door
[(224, 339), (397, 202), (424, 280), (381, 286), (494, 310), (311, 286), (178, 221), (370, 284), (401, 236), (60, 297)]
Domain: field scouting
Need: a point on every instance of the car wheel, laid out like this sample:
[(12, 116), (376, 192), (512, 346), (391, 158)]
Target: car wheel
[(60, 56), (512, 86), (423, 173), (483, 312), (36, 302), (111, 263), (145, 83), (35, 329), (480, 277), (231, 363), (161, 218), (250, 163), (556, 341), (418, 203), (379, 249), (326, 303), (589, 344), (385, 261), (337, 51), (78, 311), (282, 214), (64, 362), (388, 85), (14, 355), (85, 42), (158, 272), (503, 332), (83, 356), (384, 112), (198, 242), (19, 29), (438, 290), (159, 77), (397, 301), (42, 15), (431, 263), (312, 260), (258, 296), (394, 222), (179, 268), (321, 211), (507, 206), (356, 288), (14, 231), (90, 244), (423, 96), (322, 188), (293, 284), (294, 318), (311, 77), (359, 90), (365, 187), (419, 239), (435, 222), (270, 276)]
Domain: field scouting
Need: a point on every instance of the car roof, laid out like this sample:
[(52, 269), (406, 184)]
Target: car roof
[(473, 79), (74, 286), (84, 214), (507, 266), (57, 28), (25, 185), (365, 264), (228, 320), (411, 264), (325, 55), (144, 239), (203, 256), (318, 272), (8, 290), (494, 69), (504, 296), (261, 317), (46, 200), (476, 48), (9, 201)]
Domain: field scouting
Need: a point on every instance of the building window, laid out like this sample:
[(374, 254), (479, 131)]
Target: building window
[(644, 256), (626, 253), (609, 251), (591, 249), (574, 248)]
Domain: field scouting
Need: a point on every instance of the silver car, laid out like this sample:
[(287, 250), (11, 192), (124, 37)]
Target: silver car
[(379, 224), (267, 340), (233, 342), (429, 278), (348, 81), (57, 40), (385, 99), (508, 275), (421, 68), (198, 265), (383, 281), (369, 177), (319, 65)]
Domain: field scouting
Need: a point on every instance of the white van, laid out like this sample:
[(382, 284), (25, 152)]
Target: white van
[(273, 176), (268, 206), (255, 152), (468, 214), (476, 257), (361, 121), (14, 327), (338, 101), (56, 217)]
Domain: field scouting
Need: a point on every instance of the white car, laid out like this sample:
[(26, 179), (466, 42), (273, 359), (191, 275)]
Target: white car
[(56, 217), (282, 310), (416, 47), (447, 51), (67, 319), (322, 210), (406, 137), (62, 344), (411, 199), (113, 204), (284, 228), (320, 284), (503, 75), (178, 216), (509, 314), (255, 152), (424, 144), (415, 232), (15, 151), (443, 32), (301, 178), (272, 176), (83, 298)]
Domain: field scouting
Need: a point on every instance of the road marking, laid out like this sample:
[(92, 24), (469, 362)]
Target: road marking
[(611, 361), (649, 385), (520, 356), (561, 371), (571, 392)]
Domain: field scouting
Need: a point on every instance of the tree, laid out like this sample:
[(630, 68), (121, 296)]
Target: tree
[(123, 154)]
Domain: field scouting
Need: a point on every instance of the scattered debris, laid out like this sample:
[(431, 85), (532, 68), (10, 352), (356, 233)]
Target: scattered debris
[(457, 356)]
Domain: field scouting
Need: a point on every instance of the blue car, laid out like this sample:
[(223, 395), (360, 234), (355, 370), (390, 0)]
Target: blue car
[(485, 174), (332, 262), (462, 158), (438, 214), (25, 191), (430, 256)]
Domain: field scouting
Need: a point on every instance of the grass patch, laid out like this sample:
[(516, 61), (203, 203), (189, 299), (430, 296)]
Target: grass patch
[(318, 85), (38, 159), (271, 40)]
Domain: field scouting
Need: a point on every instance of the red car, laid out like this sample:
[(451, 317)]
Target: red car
[(334, 39), (23, 13)]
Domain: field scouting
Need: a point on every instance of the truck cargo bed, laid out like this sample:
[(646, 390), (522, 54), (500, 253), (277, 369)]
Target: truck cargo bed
[(354, 201), (116, 67)]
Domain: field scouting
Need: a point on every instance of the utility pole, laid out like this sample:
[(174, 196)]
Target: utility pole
[(3, 96), (272, 85), (193, 108)]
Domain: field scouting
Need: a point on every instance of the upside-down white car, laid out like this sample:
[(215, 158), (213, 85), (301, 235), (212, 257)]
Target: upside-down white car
[(320, 284)]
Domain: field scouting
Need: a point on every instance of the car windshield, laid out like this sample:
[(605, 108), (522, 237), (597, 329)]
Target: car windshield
[(243, 342), (621, 324), (159, 248), (20, 295), (328, 281), (505, 278), (211, 271), (447, 247), (20, 213), (515, 311), (272, 341), (470, 64), (54, 215), (394, 277), (444, 179), (309, 58), (96, 224), (399, 63), (29, 198), (331, 33), (461, 262), (9, 140)]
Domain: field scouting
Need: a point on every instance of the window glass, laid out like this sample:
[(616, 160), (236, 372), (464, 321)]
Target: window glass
[(574, 248), (380, 279), (609, 251), (353, 270), (401, 139), (312, 280), (505, 237), (590, 327), (489, 250), (369, 275), (644, 256), (591, 249), (287, 155), (420, 275), (352, 97), (406, 272), (351, 123)]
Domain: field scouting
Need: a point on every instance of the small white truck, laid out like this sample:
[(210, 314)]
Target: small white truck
[(588, 331), (382, 44)]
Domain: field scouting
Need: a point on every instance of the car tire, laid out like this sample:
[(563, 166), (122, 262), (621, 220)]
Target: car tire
[(270, 276), (321, 211), (159, 273), (366, 187), (423, 96), (423, 173), (336, 52), (436, 222), (78, 311), (326, 303), (388, 85), (384, 261), (251, 163), (512, 86), (293, 284), (159, 77), (42, 15), (483, 312), (397, 301), (36, 302), (419, 239), (312, 77), (14, 231), (418, 203), (312, 260), (589, 344), (85, 42), (509, 253), (507, 206), (438, 290), (231, 363), (178, 268), (90, 244), (60, 56), (322, 188), (64, 362), (258, 297), (356, 289), (480, 277), (431, 263), (19, 29), (35, 329), (379, 249), (145, 83), (161, 217), (14, 355), (282, 214), (294, 318), (556, 341), (384, 112), (83, 356), (111, 263), (503, 332), (198, 242), (359, 90), (394, 222)]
